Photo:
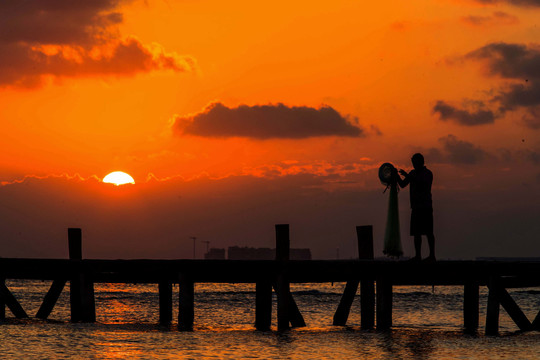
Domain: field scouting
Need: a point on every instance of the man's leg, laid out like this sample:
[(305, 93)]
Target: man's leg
[(418, 246)]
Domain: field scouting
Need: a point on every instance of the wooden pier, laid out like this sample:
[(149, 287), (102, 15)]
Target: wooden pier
[(376, 280)]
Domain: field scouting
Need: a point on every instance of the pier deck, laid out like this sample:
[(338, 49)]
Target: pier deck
[(375, 278), (451, 272)]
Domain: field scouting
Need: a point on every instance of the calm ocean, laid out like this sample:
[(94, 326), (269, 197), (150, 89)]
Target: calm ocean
[(427, 325)]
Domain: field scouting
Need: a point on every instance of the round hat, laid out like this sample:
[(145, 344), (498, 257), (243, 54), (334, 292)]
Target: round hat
[(385, 173)]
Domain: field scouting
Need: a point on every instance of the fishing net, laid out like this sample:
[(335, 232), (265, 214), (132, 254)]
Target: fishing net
[(392, 237)]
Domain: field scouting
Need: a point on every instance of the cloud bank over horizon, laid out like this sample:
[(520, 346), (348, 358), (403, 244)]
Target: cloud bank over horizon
[(73, 39), (157, 221)]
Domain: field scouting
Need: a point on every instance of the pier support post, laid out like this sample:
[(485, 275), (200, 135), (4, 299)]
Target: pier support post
[(186, 302), (344, 308), (384, 303), (282, 283), (51, 298), (263, 305), (81, 287), (497, 290), (364, 236), (471, 298), (536, 322), (2, 302), (493, 307), (165, 302), (11, 302), (367, 286), (287, 308)]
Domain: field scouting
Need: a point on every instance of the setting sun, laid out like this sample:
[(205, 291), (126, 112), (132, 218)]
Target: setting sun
[(118, 178)]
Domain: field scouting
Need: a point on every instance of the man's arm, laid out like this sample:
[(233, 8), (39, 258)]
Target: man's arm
[(406, 179)]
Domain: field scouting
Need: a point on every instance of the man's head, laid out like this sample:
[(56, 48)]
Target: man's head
[(418, 161)]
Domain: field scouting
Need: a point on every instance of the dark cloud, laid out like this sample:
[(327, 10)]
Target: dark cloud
[(532, 118), (497, 18), (520, 95), (57, 22), (448, 112), (267, 121), (525, 3), (512, 61), (67, 38), (457, 152), (462, 152), (517, 63)]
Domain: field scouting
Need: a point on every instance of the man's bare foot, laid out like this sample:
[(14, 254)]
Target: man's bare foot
[(430, 259)]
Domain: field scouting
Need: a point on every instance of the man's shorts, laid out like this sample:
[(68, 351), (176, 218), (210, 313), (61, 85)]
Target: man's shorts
[(421, 222)]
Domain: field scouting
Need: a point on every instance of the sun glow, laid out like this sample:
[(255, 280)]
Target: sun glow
[(118, 178)]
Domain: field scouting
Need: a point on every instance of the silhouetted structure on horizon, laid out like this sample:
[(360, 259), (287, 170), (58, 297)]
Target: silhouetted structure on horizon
[(251, 253), (215, 254)]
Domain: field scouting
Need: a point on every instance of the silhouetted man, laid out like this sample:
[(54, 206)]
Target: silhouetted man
[(420, 180)]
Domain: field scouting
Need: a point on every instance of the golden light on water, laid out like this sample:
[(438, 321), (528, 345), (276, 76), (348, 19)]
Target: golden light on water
[(118, 178)]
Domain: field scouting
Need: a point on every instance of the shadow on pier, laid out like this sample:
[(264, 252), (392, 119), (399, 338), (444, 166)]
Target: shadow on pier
[(374, 279)]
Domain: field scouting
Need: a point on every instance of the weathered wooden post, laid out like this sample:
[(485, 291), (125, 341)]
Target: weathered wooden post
[(498, 290), (82, 300), (11, 302), (165, 302), (289, 309), (75, 286), (263, 304), (364, 236), (471, 298), (367, 286), (51, 298), (384, 302), (282, 283), (492, 312), (2, 302), (186, 311)]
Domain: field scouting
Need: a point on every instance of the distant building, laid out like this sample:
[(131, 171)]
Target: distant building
[(215, 254), (300, 254), (249, 253)]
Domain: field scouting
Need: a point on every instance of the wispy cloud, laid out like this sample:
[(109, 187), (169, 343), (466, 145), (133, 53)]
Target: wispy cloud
[(496, 18)]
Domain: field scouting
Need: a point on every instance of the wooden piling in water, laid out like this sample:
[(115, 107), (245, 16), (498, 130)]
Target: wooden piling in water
[(344, 308), (11, 302), (288, 311), (282, 283), (165, 302), (51, 298), (186, 301), (2, 302), (364, 236), (384, 303), (471, 297), (492, 312), (82, 301), (536, 322), (263, 305), (367, 286), (498, 294)]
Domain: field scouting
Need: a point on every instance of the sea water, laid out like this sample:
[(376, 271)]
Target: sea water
[(427, 325)]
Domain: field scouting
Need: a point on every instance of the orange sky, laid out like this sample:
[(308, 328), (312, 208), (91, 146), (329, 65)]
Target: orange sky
[(114, 85)]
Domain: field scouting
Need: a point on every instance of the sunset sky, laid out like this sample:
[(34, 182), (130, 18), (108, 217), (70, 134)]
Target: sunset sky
[(233, 116)]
